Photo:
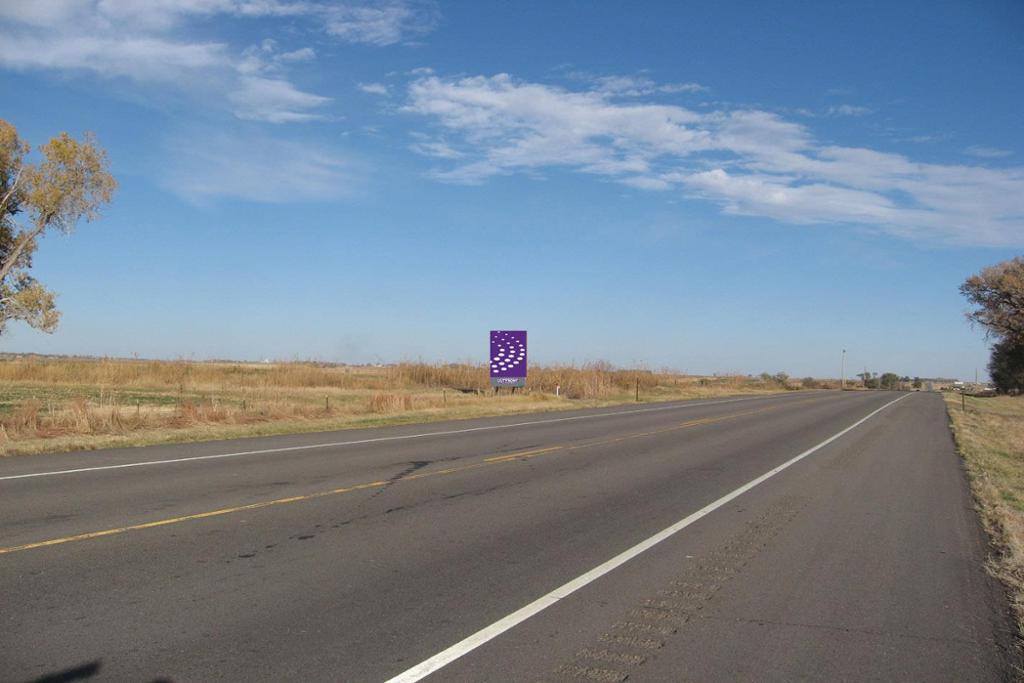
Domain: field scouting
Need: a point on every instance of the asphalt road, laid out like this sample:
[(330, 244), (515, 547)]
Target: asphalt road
[(362, 556)]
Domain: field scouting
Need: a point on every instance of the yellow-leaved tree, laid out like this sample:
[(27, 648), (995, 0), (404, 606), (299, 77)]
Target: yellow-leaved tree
[(69, 182)]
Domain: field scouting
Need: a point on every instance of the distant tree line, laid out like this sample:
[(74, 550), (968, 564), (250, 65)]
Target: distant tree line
[(997, 293), (887, 380)]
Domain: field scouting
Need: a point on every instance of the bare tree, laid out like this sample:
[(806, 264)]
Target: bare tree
[(998, 292)]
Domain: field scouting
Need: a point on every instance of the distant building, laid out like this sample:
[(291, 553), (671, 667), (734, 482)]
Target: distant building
[(940, 383)]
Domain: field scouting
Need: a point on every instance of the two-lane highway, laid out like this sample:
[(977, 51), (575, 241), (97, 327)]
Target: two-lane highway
[(816, 535)]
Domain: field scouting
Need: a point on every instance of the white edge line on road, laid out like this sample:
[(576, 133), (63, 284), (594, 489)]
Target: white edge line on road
[(429, 666), (401, 437)]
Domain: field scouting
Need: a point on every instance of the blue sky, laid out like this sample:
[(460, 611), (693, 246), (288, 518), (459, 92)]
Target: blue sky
[(711, 187)]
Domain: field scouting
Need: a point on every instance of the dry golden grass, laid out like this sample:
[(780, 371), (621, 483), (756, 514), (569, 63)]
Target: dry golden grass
[(990, 436), (54, 404)]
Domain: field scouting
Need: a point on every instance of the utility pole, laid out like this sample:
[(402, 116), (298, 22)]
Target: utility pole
[(842, 381)]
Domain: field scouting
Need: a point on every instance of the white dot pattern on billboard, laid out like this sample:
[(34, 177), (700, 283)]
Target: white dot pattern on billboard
[(508, 353)]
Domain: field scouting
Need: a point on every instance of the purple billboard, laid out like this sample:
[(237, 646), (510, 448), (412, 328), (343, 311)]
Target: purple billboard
[(508, 358)]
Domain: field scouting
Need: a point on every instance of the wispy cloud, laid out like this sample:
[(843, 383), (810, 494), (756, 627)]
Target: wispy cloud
[(384, 23), (841, 91), (926, 139), (437, 149), (834, 111), (380, 23), (274, 100), (987, 152), (751, 162), (637, 86), (848, 110), (266, 57), (142, 58), (261, 90), (374, 88), (152, 43), (255, 167), (305, 54), (647, 183)]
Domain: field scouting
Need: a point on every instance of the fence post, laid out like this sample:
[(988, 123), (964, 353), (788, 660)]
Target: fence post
[(638, 389)]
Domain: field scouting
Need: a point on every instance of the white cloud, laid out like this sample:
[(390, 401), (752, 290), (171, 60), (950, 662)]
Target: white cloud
[(46, 14), (925, 139), (143, 59), (379, 24), (987, 152), (646, 182), (261, 91), (682, 87), (305, 54), (836, 110), (637, 86), (519, 126), (374, 88), (151, 15), (255, 168), (842, 91), (752, 162), (848, 110), (778, 197), (267, 58), (437, 149), (274, 101), (150, 42)]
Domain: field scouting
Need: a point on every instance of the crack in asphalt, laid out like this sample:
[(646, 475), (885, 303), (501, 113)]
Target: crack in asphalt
[(651, 624)]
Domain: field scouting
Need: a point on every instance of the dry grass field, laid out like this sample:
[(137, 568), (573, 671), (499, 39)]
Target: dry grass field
[(52, 404), (990, 436)]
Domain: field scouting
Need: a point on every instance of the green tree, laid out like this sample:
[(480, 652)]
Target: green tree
[(917, 383), (890, 380), (1006, 368), (70, 182)]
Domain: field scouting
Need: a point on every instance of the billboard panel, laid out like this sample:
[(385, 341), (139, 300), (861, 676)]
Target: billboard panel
[(508, 358)]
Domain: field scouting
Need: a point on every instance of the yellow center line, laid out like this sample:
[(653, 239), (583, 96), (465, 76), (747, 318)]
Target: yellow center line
[(493, 460), (523, 454)]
